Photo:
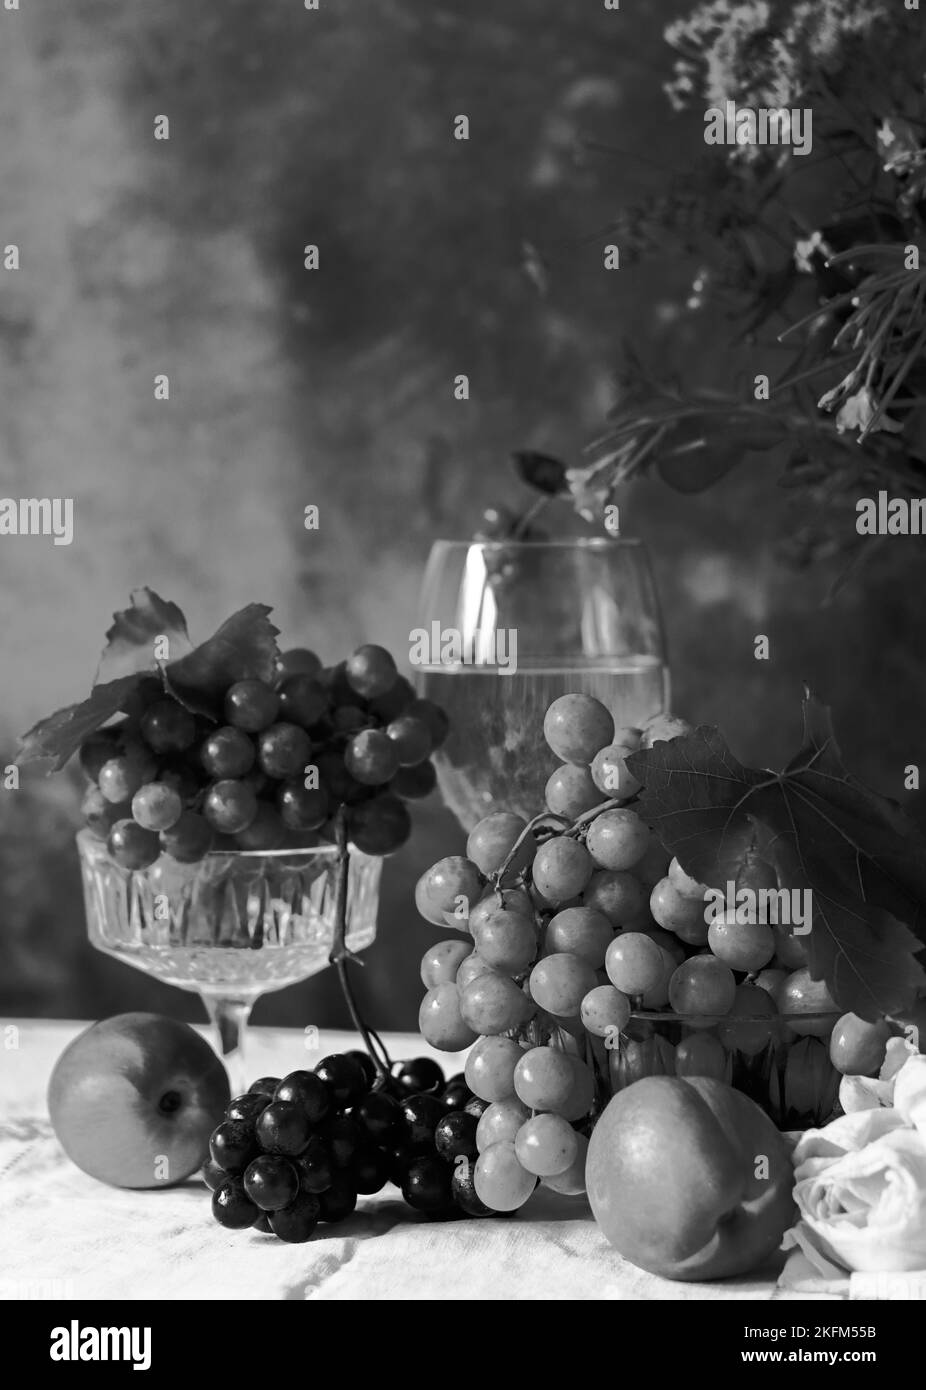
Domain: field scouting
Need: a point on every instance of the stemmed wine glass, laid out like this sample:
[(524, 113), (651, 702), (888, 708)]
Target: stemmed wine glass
[(534, 620), (230, 927)]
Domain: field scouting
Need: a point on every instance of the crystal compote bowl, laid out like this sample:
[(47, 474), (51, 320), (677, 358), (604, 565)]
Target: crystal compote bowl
[(230, 927)]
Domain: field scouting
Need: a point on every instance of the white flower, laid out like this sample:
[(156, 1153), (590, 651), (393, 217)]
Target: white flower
[(860, 1184), (858, 412)]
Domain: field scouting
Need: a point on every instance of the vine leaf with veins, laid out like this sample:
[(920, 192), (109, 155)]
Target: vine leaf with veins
[(860, 856)]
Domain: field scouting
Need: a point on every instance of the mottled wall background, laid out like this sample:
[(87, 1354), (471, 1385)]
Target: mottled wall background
[(334, 387)]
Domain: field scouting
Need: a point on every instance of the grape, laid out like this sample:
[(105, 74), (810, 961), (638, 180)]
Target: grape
[(283, 751), (560, 982), (227, 753), (131, 846), (337, 781), (271, 1182), (857, 1048), (120, 778), (302, 807), (570, 791), (426, 908), (251, 705), (412, 739), (298, 661), (562, 868), (741, 945), (634, 963), (683, 883), (581, 1095), (605, 1011), (372, 757), (790, 950), (617, 839), (493, 838), (167, 727), (230, 806), (365, 1063), (181, 778), (544, 1078), (101, 815), (611, 774), (801, 995), (337, 1201), (370, 670), (344, 1076), (683, 916), (453, 885), (371, 1170), (232, 1207), (422, 1116), (657, 997), (434, 717), (420, 1075), (188, 839), (427, 1185), (583, 931), (663, 727), (571, 1183), (618, 895), (505, 939), (283, 1128), (306, 1089), (702, 985), (265, 832), (669, 943), (490, 1068), (381, 826), (396, 701), (493, 1004), (98, 749), (576, 726), (463, 1191), (470, 968), (499, 1179), (455, 1136), (380, 1117), (156, 806), (441, 1021), (546, 1145), (415, 783), (512, 899), (749, 1038), (296, 1222), (302, 701), (502, 1120), (440, 963), (702, 1054), (348, 718)]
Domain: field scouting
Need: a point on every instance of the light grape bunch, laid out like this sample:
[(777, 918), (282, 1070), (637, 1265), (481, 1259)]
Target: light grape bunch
[(270, 766)]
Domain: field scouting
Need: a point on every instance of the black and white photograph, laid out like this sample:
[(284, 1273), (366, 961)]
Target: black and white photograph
[(463, 651)]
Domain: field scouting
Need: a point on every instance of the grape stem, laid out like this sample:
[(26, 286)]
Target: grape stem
[(340, 954), (576, 828)]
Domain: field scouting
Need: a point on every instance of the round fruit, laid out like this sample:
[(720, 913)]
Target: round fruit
[(500, 1180), (744, 946), (751, 1038), (801, 995), (679, 913), (314, 1167), (605, 1011), (570, 791), (297, 661), (491, 841), (283, 1128), (453, 885), (543, 1079), (441, 1020), (167, 727), (546, 1145), (560, 982), (455, 1136), (683, 883), (440, 963), (251, 705), (307, 1090), (188, 839), (371, 671), (562, 868), (702, 985), (131, 846), (133, 1100), (501, 1121), (463, 1191), (422, 1115), (156, 806), (303, 701), (571, 1182), (120, 778), (337, 1201), (490, 1068), (470, 968), (283, 751), (229, 807), (611, 774), (434, 717), (617, 839), (266, 830), (634, 963), (582, 931), (493, 1004), (857, 1048), (372, 757), (380, 826), (344, 1076), (506, 940), (415, 783), (296, 1222), (620, 896), (271, 1182), (247, 1107), (302, 807), (420, 1076), (232, 1207), (790, 949), (412, 739), (427, 1185), (576, 726)]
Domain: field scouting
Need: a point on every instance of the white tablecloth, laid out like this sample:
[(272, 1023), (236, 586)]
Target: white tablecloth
[(65, 1235)]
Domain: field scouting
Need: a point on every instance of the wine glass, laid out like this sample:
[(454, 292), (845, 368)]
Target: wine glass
[(534, 620), (230, 927)]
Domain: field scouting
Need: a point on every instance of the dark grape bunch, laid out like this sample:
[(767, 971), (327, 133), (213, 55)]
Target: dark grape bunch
[(167, 780), (295, 1152)]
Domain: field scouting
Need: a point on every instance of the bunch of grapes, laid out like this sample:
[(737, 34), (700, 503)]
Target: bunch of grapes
[(297, 1151), (583, 942), (273, 775)]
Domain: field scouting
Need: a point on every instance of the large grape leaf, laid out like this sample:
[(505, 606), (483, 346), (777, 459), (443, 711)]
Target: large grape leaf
[(244, 646), (130, 641), (862, 859)]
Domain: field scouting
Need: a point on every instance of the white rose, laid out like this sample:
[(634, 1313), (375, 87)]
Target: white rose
[(860, 1184)]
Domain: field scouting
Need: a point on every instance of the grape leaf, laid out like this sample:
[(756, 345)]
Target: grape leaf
[(59, 736), (243, 648), (130, 640), (861, 858)]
